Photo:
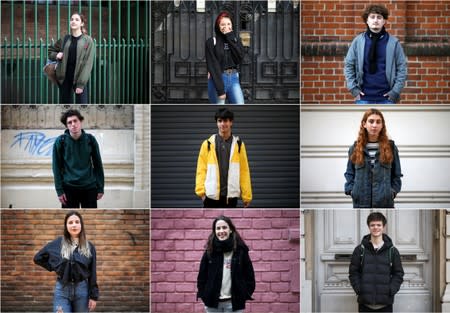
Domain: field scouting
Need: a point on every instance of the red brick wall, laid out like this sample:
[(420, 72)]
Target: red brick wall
[(178, 239), (121, 238), (328, 27)]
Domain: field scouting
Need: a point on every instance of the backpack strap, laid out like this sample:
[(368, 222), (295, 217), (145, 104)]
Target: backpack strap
[(390, 255), (361, 257), (239, 142)]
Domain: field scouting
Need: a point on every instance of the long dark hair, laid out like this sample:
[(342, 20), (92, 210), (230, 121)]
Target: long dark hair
[(83, 20), (82, 241), (237, 239)]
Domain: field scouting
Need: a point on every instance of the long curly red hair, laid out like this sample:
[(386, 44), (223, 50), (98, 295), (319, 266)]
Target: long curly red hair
[(386, 155)]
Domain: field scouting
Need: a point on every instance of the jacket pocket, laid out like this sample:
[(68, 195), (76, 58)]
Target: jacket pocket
[(387, 194)]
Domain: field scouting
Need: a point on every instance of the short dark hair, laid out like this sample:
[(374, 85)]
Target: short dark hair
[(69, 113), (377, 9), (224, 113), (376, 217)]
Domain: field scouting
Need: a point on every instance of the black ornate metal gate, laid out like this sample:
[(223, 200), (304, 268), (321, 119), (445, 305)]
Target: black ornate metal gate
[(270, 71)]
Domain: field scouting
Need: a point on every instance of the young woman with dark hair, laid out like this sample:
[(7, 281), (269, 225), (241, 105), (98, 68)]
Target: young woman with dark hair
[(373, 175), (73, 258), (226, 278), (74, 54), (224, 54)]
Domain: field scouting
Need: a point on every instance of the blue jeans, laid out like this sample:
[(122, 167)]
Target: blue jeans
[(374, 102), (232, 89), (71, 297), (223, 307)]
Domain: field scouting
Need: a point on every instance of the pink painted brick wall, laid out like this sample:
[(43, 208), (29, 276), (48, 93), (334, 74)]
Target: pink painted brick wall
[(177, 244)]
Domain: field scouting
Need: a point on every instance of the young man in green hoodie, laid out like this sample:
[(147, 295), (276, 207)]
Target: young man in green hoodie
[(77, 165)]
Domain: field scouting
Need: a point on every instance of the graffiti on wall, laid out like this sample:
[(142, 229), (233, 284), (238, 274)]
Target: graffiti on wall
[(35, 143)]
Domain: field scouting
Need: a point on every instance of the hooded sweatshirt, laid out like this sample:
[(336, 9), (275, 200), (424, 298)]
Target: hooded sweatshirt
[(77, 163)]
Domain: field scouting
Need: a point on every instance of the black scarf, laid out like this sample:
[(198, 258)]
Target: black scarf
[(221, 246), (373, 48)]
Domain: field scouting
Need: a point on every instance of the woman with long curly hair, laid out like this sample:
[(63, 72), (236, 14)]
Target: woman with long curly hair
[(373, 175), (73, 258), (226, 278)]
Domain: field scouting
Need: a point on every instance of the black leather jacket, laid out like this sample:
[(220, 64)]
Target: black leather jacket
[(77, 269), (209, 280)]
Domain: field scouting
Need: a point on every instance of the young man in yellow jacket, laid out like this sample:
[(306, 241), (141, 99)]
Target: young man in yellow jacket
[(223, 174)]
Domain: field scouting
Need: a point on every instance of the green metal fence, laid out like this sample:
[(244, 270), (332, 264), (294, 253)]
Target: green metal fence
[(120, 30)]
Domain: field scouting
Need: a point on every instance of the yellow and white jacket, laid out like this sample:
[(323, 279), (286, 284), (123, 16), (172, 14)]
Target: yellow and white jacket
[(207, 181)]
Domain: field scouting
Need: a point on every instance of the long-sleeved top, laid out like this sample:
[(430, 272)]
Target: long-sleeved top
[(73, 270), (217, 58), (396, 66), (77, 163), (207, 180), (85, 56)]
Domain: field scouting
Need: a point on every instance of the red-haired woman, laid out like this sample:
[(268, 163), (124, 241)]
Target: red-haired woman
[(224, 54), (75, 55), (373, 169)]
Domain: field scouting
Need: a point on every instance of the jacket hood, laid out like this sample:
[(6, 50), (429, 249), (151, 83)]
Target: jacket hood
[(387, 242)]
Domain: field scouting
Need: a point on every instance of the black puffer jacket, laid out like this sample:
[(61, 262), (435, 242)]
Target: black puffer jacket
[(209, 280), (376, 276)]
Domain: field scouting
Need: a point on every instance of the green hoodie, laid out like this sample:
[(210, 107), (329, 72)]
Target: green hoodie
[(85, 59), (77, 163)]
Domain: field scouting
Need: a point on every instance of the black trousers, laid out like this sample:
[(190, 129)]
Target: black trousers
[(363, 308), (66, 91), (76, 197), (221, 203)]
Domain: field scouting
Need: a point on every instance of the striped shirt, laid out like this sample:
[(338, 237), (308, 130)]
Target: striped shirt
[(372, 148)]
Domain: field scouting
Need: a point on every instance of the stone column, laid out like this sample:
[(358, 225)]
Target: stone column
[(141, 194)]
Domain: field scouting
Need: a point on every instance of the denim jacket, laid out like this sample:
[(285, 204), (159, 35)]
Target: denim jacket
[(373, 187)]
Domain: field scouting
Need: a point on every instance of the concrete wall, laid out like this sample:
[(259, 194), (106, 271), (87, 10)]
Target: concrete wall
[(28, 134), (422, 137)]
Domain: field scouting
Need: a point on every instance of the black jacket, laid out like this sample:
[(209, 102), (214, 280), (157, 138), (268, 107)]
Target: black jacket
[(215, 56), (81, 268), (376, 276), (209, 280)]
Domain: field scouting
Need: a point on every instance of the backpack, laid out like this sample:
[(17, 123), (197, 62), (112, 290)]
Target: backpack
[(50, 68), (390, 253)]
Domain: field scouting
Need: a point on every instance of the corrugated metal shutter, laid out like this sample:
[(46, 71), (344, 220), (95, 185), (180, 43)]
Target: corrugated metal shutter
[(271, 136)]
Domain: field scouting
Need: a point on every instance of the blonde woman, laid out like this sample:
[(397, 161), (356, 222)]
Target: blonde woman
[(73, 258)]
